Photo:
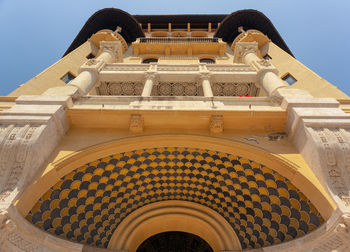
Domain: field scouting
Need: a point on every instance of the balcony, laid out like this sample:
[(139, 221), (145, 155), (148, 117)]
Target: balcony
[(179, 46), (172, 72), (178, 80)]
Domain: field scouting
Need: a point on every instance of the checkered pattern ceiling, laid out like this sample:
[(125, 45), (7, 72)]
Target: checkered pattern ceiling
[(89, 203)]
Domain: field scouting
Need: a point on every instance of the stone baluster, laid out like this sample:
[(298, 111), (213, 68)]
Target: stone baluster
[(150, 81), (246, 52), (205, 77), (111, 51)]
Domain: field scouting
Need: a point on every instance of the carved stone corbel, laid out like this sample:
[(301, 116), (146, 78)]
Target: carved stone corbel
[(136, 123), (216, 124)]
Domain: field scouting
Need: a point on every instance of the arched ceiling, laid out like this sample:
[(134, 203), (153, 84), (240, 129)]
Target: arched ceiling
[(110, 18), (88, 204)]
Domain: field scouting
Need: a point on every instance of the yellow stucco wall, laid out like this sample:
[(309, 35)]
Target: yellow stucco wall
[(51, 77), (306, 79)]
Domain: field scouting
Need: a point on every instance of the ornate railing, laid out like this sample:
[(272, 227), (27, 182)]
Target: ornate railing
[(178, 68), (157, 40)]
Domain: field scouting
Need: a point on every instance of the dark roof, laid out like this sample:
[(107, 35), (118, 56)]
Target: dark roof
[(249, 19), (110, 18)]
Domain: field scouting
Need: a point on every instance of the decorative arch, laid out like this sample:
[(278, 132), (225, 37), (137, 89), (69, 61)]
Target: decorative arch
[(174, 215), (218, 156)]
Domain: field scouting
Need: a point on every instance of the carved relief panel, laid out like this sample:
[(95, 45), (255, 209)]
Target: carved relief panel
[(177, 89), (120, 88), (336, 154), (234, 89)]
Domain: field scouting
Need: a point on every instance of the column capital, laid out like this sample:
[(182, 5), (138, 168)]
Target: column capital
[(92, 65), (242, 49), (114, 48), (263, 66), (205, 75), (151, 75)]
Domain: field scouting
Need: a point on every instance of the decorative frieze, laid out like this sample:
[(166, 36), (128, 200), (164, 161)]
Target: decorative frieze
[(126, 67), (174, 68), (180, 68), (230, 68)]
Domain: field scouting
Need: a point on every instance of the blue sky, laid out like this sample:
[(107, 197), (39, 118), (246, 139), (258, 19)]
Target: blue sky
[(36, 33)]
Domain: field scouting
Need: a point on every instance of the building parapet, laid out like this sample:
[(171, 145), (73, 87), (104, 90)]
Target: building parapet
[(177, 67), (179, 46)]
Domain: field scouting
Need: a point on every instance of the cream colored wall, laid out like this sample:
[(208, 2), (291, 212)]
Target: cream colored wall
[(51, 77), (306, 79)]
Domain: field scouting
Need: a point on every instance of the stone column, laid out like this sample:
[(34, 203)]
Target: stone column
[(150, 81), (246, 52), (111, 52), (205, 78)]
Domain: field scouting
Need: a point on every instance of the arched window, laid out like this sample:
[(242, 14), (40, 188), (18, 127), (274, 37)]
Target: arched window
[(150, 60), (207, 60)]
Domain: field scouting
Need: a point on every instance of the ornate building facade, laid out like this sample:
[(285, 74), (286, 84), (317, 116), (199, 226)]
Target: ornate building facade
[(175, 133)]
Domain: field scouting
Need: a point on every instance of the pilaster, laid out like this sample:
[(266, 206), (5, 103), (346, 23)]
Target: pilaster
[(29, 131)]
